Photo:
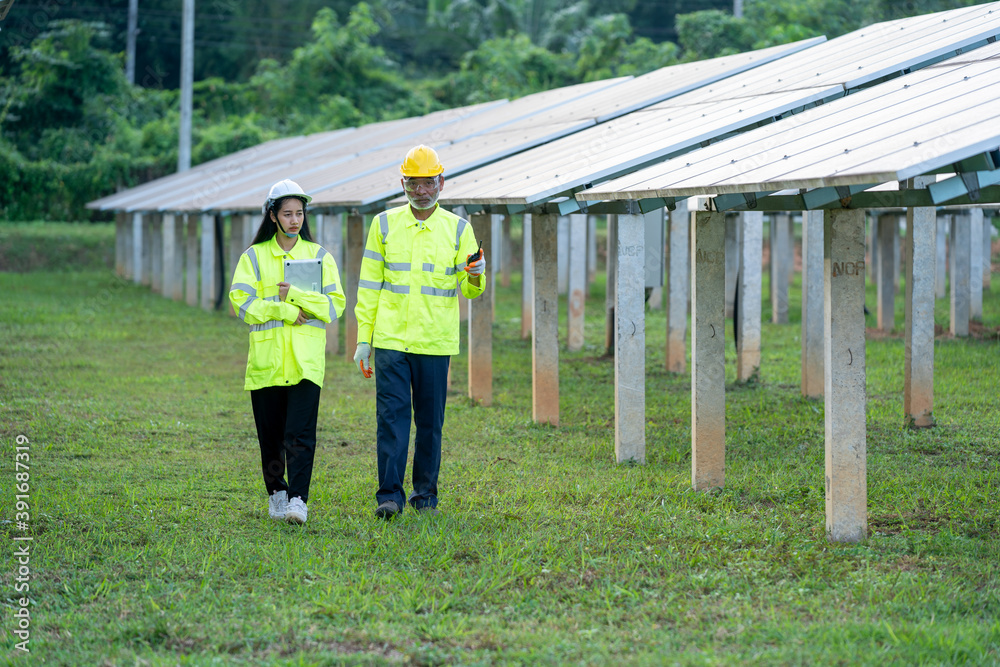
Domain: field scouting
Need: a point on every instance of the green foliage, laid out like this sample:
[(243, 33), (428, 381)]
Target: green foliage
[(712, 33), (339, 78), (608, 50), (506, 67)]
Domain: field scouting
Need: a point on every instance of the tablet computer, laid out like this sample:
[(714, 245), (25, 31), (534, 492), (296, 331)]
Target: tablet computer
[(306, 274)]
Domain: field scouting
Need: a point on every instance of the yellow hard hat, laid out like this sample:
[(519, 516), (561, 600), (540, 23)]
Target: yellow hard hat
[(421, 162)]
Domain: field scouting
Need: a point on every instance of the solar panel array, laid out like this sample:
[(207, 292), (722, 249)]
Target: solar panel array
[(778, 89), (921, 123), (357, 169)]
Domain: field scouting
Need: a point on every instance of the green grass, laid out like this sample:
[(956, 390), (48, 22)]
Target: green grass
[(152, 543)]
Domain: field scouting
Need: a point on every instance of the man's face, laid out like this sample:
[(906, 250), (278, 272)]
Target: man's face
[(423, 193)]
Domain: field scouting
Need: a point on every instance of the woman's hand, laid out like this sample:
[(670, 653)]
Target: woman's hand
[(283, 290)]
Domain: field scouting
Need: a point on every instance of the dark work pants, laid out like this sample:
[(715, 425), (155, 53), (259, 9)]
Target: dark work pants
[(398, 376), (286, 430)]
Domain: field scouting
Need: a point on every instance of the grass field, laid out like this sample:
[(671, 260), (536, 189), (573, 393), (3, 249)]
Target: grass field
[(152, 546)]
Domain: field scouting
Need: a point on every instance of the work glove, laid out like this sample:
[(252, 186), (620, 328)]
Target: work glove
[(362, 356), (476, 267)]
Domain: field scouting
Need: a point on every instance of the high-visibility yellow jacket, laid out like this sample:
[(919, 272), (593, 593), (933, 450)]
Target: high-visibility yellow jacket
[(281, 352), (410, 276)]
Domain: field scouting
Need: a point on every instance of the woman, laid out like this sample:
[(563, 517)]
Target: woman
[(287, 359)]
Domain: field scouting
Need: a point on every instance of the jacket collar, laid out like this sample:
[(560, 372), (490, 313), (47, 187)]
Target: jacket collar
[(278, 251), (429, 223)]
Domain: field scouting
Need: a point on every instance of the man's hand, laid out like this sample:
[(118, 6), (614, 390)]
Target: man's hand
[(477, 267), (301, 319), (283, 290), (362, 356)]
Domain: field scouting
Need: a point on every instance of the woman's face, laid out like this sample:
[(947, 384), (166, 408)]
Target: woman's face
[(289, 216)]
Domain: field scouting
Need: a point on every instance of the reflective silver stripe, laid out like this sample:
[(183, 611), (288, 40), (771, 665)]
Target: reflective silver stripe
[(270, 324), (321, 253), (333, 311), (371, 254), (434, 291), (396, 289), (383, 225), (428, 267), (462, 222), (369, 284), (243, 308), (332, 287), (449, 270), (319, 324), (460, 267), (276, 297), (397, 266), (249, 289), (252, 254)]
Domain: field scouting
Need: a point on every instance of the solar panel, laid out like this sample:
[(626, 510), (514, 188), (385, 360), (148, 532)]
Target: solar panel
[(778, 89), (917, 124)]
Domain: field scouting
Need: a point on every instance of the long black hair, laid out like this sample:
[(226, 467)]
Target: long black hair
[(268, 228)]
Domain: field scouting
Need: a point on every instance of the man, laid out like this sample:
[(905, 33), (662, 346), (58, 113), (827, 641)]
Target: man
[(416, 259)]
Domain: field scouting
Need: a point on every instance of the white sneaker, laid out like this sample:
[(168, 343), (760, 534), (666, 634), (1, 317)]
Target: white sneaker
[(296, 512), (277, 505)]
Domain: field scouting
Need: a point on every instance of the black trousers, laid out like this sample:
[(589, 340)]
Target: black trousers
[(286, 430)]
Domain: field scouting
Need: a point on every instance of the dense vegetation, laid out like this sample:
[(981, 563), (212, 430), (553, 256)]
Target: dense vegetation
[(73, 128)]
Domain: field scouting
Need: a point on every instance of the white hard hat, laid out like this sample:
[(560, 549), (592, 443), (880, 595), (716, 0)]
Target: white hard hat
[(285, 188)]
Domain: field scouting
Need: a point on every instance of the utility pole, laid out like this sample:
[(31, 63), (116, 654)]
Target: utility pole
[(738, 8), (187, 81), (133, 20)]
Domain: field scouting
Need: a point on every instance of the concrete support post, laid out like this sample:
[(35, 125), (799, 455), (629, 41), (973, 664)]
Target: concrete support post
[(987, 253), (609, 299), (591, 250), (354, 251), (563, 251), (545, 321), (250, 225), (192, 260), (505, 255), (678, 289), (630, 340), (169, 279), (333, 241), (527, 279), (481, 320), (845, 398), (708, 348), (961, 310), (888, 234), (897, 263), (124, 232), (577, 281), (147, 249), (236, 245), (975, 218), (941, 257), (812, 304), (918, 371), (120, 245), (873, 249), (207, 262), (748, 321), (733, 228), (156, 253), (137, 248), (177, 268), (781, 257)]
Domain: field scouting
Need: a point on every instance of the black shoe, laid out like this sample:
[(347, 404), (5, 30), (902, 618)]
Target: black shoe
[(387, 510), (428, 510)]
